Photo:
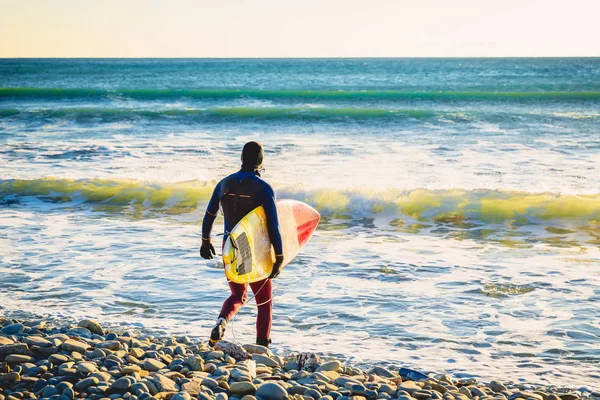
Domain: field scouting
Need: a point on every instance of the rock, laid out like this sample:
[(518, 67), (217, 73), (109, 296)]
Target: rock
[(242, 388), (5, 340), (421, 394), (334, 365), (36, 341), (164, 395), (196, 363), (257, 349), (130, 369), (315, 394), (10, 377), (192, 387), (91, 326), (181, 396), (248, 397), (58, 359), (164, 384), (409, 386), (240, 375), (271, 391), (265, 360), (525, 395), (121, 385), (210, 383), (17, 348), (475, 391), (383, 372), (69, 392), (569, 396), (49, 391), (204, 396), (291, 366), (552, 397), (221, 396), (12, 329), (74, 345), (343, 380), (496, 386), (234, 350), (109, 344), (86, 383), (18, 359), (153, 365), (465, 391), (101, 376), (87, 367), (137, 352)]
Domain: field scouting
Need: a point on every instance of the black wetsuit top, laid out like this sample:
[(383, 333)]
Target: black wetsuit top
[(238, 194)]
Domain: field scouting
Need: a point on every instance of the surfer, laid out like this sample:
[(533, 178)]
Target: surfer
[(238, 194)]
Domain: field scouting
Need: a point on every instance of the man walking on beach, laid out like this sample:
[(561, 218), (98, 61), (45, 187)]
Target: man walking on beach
[(238, 194)]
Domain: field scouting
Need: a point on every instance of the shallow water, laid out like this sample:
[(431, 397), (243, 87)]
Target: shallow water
[(460, 203)]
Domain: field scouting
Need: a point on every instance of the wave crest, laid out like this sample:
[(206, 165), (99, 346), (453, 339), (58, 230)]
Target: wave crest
[(441, 206)]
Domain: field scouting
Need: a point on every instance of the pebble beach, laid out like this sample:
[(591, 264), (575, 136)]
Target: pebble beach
[(65, 361)]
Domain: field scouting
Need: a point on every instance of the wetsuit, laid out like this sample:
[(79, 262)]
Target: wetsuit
[(238, 194)]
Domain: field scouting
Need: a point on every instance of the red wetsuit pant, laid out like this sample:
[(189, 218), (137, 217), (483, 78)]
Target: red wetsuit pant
[(262, 294)]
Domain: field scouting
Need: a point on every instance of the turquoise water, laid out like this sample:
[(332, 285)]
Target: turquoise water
[(460, 202)]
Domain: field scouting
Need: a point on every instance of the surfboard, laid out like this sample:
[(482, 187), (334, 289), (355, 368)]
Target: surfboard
[(247, 253)]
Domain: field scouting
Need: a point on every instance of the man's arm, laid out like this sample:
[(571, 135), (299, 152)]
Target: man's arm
[(207, 250)]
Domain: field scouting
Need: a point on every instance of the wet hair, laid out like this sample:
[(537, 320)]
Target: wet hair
[(252, 156)]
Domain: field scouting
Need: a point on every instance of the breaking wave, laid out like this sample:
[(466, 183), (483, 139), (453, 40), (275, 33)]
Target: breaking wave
[(441, 206)]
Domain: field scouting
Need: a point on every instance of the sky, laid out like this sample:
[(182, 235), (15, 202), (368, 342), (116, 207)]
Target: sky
[(299, 28)]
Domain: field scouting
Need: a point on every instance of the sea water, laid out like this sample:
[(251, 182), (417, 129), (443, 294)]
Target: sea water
[(460, 203)]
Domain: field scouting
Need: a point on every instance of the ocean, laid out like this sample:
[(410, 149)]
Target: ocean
[(460, 203)]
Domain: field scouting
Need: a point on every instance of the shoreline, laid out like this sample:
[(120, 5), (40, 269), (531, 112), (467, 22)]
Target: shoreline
[(64, 361)]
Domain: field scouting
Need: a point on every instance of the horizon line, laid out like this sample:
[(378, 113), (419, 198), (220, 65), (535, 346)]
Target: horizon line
[(288, 58)]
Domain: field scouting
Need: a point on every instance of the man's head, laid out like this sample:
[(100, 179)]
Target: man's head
[(252, 156)]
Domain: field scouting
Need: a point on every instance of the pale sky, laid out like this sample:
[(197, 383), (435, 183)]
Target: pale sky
[(299, 28)]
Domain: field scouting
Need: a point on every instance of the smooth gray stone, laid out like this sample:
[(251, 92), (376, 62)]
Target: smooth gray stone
[(91, 326), (181, 396), (210, 383), (61, 386), (242, 388), (291, 366), (315, 394), (204, 396), (37, 341), (12, 329), (86, 383), (497, 386), (298, 389), (342, 381), (334, 365), (69, 392), (383, 372), (49, 391), (271, 391), (265, 360), (121, 385)]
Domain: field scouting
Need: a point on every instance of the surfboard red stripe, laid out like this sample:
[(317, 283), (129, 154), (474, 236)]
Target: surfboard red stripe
[(306, 230)]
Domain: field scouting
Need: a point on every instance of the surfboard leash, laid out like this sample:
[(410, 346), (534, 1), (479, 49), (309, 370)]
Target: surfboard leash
[(257, 305)]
